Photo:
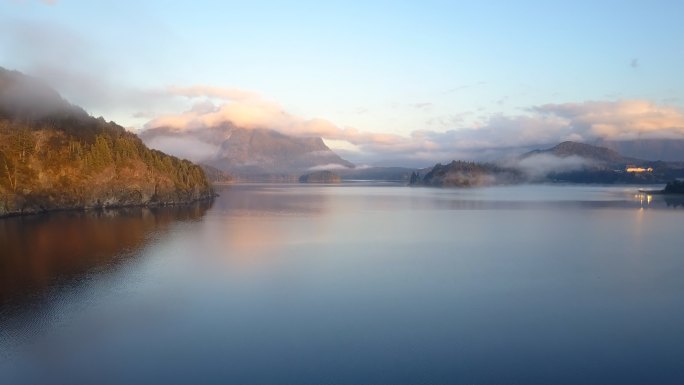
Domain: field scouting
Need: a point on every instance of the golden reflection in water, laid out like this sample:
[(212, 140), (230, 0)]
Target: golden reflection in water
[(247, 236), (37, 250), (252, 241), (252, 223), (644, 199)]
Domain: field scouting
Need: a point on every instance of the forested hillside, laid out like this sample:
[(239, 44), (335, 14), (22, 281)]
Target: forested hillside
[(54, 156)]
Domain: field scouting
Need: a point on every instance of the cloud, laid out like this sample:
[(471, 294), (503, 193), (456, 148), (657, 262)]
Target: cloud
[(188, 147), (329, 166), (93, 81), (634, 63), (259, 113), (143, 114), (540, 165), (500, 135), (495, 136), (620, 120), (73, 64)]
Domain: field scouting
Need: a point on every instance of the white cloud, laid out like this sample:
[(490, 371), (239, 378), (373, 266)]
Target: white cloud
[(538, 166), (187, 147), (330, 166)]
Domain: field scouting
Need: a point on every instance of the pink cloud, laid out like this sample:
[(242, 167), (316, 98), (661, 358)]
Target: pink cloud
[(254, 113), (541, 125), (627, 119)]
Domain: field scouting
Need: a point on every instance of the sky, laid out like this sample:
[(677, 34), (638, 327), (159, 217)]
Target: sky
[(381, 81)]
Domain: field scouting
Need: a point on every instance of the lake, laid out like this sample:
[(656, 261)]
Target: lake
[(350, 284)]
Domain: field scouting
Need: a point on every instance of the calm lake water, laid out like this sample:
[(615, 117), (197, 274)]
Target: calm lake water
[(351, 284)]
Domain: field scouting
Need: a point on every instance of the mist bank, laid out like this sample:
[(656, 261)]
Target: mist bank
[(567, 162)]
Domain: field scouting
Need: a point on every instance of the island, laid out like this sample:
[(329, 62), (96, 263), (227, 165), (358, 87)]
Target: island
[(55, 156), (324, 176), (466, 174), (674, 187)]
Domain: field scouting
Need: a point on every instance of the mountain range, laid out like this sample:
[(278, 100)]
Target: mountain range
[(49, 146)]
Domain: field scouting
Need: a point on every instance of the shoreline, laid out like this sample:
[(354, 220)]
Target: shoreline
[(15, 214)]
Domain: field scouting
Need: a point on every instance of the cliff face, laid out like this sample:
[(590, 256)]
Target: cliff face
[(55, 156)]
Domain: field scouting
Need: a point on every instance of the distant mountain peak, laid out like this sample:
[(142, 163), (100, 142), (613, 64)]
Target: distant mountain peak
[(574, 148), (268, 151), (583, 150), (254, 151)]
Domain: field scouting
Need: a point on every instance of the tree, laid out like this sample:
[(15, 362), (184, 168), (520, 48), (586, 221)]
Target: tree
[(8, 170)]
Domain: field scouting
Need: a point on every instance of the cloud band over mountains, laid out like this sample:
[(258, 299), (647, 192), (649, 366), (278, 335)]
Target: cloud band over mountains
[(544, 124)]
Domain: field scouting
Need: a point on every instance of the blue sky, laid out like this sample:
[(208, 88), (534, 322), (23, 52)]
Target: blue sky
[(399, 68)]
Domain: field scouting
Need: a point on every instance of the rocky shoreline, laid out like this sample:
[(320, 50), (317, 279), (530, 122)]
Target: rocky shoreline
[(39, 209)]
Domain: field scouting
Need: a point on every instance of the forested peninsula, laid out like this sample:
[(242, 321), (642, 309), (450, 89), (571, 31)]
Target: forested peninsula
[(54, 155)]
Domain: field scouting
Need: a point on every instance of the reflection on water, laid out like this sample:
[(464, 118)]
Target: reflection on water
[(38, 250), (647, 200), (674, 201), (267, 199), (283, 200), (353, 284)]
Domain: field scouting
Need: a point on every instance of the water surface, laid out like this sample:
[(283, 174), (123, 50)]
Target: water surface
[(350, 284)]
